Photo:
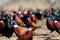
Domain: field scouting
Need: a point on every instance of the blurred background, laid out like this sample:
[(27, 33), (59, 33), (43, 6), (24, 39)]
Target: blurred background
[(41, 4)]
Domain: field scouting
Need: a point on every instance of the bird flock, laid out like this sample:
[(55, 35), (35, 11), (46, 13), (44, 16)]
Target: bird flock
[(23, 21)]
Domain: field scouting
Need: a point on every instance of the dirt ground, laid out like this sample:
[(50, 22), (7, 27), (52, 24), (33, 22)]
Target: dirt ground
[(41, 33)]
